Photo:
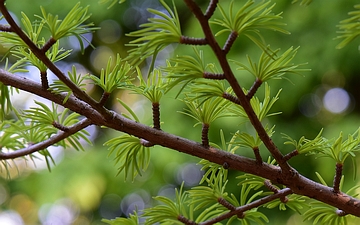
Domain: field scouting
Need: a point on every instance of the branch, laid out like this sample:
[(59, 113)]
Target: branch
[(61, 135), (254, 88), (230, 41), (211, 9), (193, 41), (221, 57), (73, 103), (280, 194), (298, 183), (214, 76), (5, 28)]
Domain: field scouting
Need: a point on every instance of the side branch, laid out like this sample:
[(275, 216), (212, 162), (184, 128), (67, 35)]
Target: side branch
[(230, 77), (254, 88), (5, 28), (193, 41), (211, 9), (280, 194), (214, 76), (51, 141), (230, 41)]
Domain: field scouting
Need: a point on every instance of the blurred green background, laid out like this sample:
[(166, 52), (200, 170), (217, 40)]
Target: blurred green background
[(83, 187)]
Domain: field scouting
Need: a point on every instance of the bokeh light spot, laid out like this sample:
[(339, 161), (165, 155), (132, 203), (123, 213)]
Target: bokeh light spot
[(110, 31), (336, 100)]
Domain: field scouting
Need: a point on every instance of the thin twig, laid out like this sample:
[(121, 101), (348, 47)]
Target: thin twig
[(204, 135), (214, 76), (230, 41), (254, 88), (48, 45), (337, 177), (257, 155), (44, 80), (156, 114), (244, 208), (5, 28), (231, 98), (291, 154), (211, 9), (61, 135), (192, 41)]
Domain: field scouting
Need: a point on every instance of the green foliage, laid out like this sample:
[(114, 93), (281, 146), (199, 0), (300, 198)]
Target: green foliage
[(295, 202), (113, 2), (45, 120), (59, 87), (341, 149), (72, 25), (206, 101), (213, 170), (208, 111), (113, 77), (169, 212), (132, 156), (207, 89), (261, 109), (249, 19), (251, 215), (55, 54), (161, 31), (303, 2), (32, 29), (349, 28), (247, 140), (154, 88), (203, 196), (270, 66), (305, 146), (131, 220), (186, 69)]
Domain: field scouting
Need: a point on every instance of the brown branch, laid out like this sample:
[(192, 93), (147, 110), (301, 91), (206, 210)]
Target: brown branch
[(156, 115), (288, 156), (146, 143), (281, 193), (274, 189), (298, 184), (211, 9), (192, 41), (73, 103), (185, 220), (257, 155), (60, 126), (44, 80), (104, 97), (226, 204), (214, 76), (61, 135), (5, 28), (230, 41), (231, 98), (48, 45), (337, 177), (221, 56), (254, 88), (204, 135)]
